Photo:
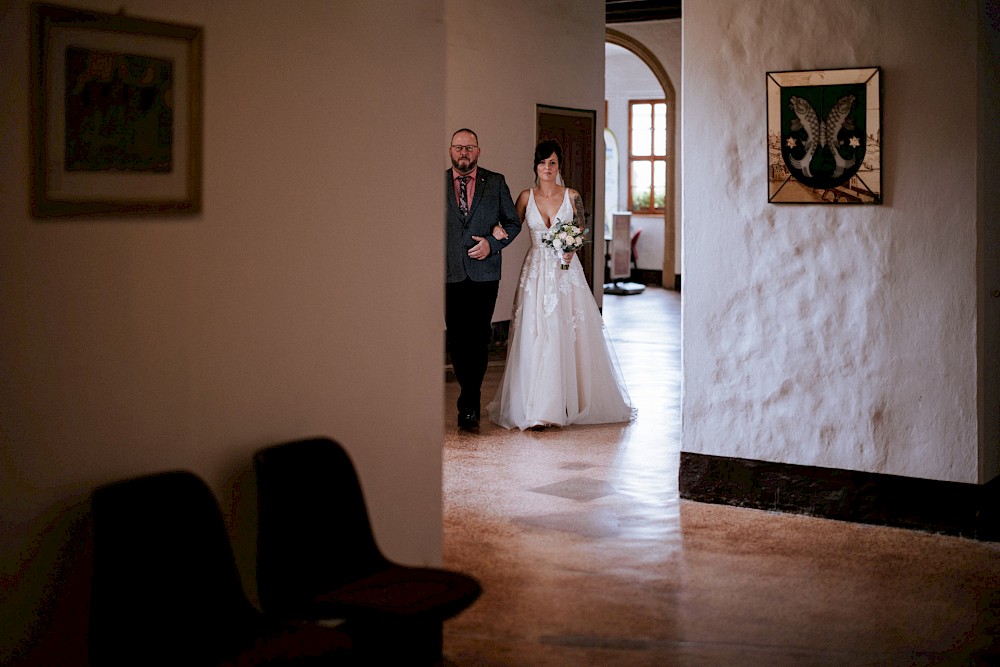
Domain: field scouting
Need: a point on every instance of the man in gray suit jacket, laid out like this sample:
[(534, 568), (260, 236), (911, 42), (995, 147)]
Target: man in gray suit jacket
[(476, 201)]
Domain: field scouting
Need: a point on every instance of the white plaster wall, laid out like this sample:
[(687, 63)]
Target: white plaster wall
[(832, 336), (504, 58), (303, 300), (649, 247), (663, 39)]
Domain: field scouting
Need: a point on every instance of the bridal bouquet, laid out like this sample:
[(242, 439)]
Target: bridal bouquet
[(564, 237)]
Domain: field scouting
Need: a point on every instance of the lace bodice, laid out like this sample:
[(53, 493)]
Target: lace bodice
[(536, 222), (542, 259)]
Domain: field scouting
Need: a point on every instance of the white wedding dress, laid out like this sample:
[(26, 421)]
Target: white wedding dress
[(561, 368)]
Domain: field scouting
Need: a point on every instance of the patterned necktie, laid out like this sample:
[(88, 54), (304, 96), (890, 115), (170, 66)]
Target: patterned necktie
[(463, 205)]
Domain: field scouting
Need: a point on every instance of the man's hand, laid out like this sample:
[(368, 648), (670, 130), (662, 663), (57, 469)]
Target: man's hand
[(481, 250)]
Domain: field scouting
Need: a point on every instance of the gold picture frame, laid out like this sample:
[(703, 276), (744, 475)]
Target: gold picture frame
[(116, 114)]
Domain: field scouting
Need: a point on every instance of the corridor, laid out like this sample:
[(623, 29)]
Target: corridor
[(587, 555)]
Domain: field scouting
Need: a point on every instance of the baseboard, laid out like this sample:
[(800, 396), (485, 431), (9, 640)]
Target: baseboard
[(647, 277), (967, 510)]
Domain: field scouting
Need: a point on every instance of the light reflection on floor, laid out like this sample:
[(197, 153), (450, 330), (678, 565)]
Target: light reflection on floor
[(588, 556)]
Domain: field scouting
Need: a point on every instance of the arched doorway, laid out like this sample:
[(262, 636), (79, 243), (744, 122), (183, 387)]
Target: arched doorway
[(670, 264)]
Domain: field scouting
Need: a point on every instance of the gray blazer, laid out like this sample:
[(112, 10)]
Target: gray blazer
[(491, 204)]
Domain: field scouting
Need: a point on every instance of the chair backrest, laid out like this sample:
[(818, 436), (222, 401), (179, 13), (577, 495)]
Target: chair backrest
[(313, 530), (165, 582), (633, 243)]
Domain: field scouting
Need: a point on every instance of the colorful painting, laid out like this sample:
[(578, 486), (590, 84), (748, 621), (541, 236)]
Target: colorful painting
[(118, 112)]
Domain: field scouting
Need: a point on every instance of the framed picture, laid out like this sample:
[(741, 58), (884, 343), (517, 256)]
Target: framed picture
[(824, 136), (116, 114)]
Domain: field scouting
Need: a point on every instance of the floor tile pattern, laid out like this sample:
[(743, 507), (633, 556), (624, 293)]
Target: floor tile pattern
[(588, 556)]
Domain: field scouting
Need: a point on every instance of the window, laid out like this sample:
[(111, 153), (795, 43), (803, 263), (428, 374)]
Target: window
[(647, 156)]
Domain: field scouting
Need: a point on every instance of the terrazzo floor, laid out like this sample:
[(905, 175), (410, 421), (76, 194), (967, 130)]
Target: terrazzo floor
[(587, 555)]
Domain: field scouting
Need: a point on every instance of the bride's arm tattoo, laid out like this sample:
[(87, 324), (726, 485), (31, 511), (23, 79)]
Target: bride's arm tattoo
[(578, 208)]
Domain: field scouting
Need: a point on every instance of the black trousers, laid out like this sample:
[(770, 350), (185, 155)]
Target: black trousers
[(468, 314)]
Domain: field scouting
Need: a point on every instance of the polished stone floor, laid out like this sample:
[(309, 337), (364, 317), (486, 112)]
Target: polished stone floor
[(588, 557)]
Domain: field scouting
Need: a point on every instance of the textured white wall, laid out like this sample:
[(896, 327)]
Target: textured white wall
[(831, 335)]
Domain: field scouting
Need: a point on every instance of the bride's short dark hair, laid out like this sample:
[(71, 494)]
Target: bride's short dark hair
[(544, 150)]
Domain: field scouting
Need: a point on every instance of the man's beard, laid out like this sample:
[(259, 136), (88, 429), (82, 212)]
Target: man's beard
[(466, 170)]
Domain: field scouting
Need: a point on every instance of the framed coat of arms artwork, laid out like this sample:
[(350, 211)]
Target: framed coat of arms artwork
[(824, 136)]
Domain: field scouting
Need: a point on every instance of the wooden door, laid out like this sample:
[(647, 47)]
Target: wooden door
[(574, 130)]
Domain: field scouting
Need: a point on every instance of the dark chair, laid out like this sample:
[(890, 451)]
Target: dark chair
[(166, 590), (317, 556), (632, 246)]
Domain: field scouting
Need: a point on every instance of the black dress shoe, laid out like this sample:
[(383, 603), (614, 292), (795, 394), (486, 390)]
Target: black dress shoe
[(468, 422)]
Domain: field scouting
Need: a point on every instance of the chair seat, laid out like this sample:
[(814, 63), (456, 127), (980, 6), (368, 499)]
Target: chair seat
[(403, 592), (317, 558)]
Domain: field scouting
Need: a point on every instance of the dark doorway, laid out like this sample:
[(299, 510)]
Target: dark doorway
[(574, 130)]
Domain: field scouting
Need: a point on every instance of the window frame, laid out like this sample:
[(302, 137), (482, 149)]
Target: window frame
[(652, 158)]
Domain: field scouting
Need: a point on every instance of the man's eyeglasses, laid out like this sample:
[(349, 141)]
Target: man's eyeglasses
[(467, 149)]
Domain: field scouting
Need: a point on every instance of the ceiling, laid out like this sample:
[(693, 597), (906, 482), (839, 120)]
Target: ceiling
[(624, 11)]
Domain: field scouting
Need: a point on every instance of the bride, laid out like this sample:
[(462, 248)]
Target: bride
[(560, 367)]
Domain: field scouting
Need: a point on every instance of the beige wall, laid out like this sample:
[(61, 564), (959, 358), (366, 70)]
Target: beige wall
[(305, 299), (505, 57)]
